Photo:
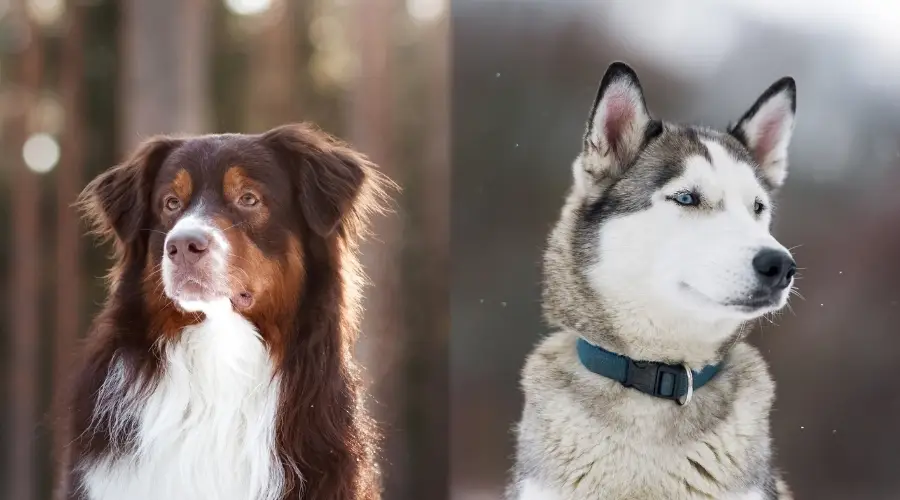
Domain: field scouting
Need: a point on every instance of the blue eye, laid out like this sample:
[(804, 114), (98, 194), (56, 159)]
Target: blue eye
[(686, 199)]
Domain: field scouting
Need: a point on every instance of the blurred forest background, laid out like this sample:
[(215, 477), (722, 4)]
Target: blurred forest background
[(83, 81), (524, 76)]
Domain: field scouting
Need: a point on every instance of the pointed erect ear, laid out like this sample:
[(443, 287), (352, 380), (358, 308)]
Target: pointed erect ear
[(618, 122), (766, 128)]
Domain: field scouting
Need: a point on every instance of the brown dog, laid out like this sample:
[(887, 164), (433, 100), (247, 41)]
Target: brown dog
[(220, 366)]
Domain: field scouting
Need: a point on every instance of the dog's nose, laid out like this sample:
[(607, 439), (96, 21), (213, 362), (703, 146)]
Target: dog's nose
[(774, 268), (187, 247)]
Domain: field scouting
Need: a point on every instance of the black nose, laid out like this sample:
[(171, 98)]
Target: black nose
[(774, 268), (187, 247)]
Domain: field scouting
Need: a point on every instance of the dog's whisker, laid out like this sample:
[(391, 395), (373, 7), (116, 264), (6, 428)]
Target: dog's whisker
[(791, 309)]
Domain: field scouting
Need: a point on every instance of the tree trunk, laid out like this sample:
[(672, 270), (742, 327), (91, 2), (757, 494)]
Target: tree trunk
[(431, 474), (371, 127), (25, 284), (68, 183), (273, 86), (165, 68)]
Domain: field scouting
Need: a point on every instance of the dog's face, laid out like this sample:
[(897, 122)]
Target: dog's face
[(227, 219), (224, 225), (678, 218)]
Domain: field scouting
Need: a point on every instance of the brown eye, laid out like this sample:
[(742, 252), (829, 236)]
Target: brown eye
[(172, 203), (248, 200)]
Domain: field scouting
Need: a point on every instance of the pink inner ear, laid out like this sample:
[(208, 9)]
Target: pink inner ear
[(765, 134), (767, 137), (619, 112)]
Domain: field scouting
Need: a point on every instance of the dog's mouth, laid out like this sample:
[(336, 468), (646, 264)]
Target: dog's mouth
[(754, 304), (194, 285), (758, 302), (194, 290)]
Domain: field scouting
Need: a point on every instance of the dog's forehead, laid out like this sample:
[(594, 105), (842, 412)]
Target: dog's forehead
[(720, 173), (207, 160), (703, 157)]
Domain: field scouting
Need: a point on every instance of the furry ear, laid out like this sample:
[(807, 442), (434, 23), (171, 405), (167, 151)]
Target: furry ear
[(330, 176), (116, 202), (766, 128), (618, 121)]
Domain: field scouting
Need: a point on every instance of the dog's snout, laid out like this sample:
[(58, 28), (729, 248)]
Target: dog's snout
[(774, 268), (187, 247)]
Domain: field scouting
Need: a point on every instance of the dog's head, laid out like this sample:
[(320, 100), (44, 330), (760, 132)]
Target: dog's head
[(230, 219), (677, 218)]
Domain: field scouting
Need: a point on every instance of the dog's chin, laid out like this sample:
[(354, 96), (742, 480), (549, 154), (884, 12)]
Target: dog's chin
[(192, 295), (749, 307)]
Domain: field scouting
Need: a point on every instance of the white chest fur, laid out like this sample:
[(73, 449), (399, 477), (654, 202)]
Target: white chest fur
[(207, 429)]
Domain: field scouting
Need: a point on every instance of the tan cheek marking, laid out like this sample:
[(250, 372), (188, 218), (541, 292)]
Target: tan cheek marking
[(277, 287), (274, 313), (247, 265)]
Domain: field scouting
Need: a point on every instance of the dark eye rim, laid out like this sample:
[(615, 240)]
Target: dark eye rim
[(759, 207), (254, 200), (695, 198), (167, 201)]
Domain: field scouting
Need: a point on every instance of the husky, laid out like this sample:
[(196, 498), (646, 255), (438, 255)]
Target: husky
[(662, 253)]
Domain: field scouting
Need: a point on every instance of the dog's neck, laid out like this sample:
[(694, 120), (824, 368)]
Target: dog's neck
[(665, 338)]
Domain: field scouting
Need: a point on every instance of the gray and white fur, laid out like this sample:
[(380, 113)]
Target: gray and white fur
[(653, 258)]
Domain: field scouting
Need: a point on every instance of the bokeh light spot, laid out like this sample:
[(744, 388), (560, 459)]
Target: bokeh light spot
[(41, 153), (248, 7), (425, 10)]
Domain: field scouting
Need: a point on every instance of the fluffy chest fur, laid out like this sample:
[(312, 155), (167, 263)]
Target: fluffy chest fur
[(586, 437), (205, 429)]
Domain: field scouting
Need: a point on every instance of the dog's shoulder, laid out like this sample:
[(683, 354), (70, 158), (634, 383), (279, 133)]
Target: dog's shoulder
[(582, 433), (548, 365)]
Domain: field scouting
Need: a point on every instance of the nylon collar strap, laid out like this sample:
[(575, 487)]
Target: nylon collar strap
[(673, 382)]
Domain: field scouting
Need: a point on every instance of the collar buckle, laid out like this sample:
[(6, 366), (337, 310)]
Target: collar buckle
[(683, 400), (660, 380)]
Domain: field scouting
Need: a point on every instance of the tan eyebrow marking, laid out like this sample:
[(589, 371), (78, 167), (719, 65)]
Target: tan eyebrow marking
[(235, 181), (182, 185)]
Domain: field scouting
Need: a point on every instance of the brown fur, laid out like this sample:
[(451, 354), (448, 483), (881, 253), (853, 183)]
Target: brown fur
[(308, 298)]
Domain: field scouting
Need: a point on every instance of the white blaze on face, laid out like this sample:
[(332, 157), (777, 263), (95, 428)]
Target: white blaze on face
[(218, 261), (674, 258), (714, 250)]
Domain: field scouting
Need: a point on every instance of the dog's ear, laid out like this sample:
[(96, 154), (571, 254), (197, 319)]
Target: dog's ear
[(766, 128), (618, 123), (329, 176), (116, 202)]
